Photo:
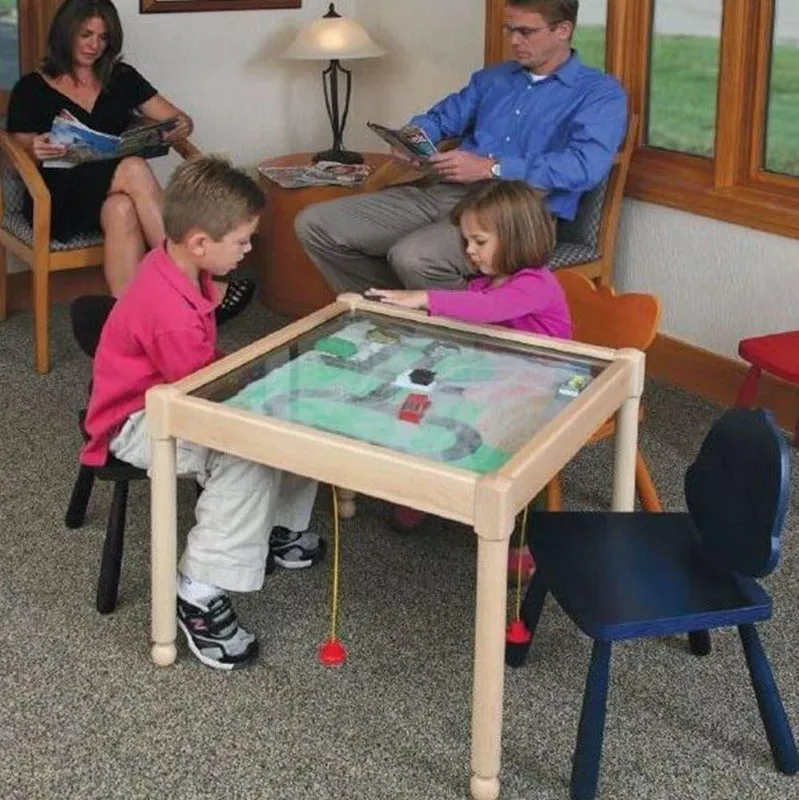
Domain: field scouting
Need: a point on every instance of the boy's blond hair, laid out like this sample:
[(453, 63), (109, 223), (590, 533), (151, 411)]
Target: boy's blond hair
[(209, 194), (517, 214)]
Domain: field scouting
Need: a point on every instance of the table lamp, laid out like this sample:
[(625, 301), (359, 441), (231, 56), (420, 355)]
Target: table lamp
[(335, 37)]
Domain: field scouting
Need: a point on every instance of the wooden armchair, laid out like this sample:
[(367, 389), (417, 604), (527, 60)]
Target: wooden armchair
[(32, 244), (603, 318), (587, 244)]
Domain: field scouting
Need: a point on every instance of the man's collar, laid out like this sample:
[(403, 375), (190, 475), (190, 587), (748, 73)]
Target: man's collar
[(566, 73)]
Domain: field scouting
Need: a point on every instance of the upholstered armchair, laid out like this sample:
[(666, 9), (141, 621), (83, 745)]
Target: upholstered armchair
[(32, 244)]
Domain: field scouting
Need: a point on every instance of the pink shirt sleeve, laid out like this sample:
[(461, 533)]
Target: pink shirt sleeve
[(528, 293)]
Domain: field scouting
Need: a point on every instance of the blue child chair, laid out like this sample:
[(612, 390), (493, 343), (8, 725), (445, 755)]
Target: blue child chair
[(628, 575)]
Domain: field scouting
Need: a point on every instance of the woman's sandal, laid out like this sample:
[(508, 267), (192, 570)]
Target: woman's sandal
[(237, 297)]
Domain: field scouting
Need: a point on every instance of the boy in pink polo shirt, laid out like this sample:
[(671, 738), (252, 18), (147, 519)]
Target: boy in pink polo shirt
[(161, 330)]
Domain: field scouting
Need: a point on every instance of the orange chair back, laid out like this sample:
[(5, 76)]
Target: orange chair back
[(604, 318)]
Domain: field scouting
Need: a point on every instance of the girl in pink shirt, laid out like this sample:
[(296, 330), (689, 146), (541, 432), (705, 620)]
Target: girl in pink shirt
[(509, 236)]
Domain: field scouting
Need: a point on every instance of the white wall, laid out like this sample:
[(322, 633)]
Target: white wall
[(433, 47), (718, 283), (223, 69)]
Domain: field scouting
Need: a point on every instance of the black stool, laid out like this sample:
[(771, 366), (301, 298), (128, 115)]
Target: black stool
[(121, 474), (88, 315)]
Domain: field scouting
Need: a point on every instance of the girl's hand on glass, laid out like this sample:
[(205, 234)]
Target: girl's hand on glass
[(43, 148), (407, 298)]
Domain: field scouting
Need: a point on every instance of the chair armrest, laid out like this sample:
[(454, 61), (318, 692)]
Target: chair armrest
[(393, 173), (449, 144), (25, 165), (398, 172), (186, 148)]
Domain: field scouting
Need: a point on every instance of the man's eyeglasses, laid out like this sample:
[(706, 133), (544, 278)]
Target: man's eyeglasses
[(526, 32)]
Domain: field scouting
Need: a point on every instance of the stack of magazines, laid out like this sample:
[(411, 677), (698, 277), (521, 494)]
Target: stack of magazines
[(86, 144), (322, 173)]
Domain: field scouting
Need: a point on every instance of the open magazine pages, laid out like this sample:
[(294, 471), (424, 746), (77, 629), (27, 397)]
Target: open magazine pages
[(86, 144), (322, 173), (410, 139)]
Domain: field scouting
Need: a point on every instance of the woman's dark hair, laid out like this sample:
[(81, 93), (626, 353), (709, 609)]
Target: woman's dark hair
[(64, 29)]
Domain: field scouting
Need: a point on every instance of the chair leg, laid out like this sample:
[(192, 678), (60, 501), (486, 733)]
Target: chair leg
[(79, 501), (516, 653), (772, 712), (647, 493), (588, 753), (41, 311), (699, 642), (747, 394), (554, 494), (111, 563)]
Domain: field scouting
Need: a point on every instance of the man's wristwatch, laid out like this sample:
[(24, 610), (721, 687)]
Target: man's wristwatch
[(496, 169)]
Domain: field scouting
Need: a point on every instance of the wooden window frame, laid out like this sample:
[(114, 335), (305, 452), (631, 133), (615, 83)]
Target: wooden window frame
[(34, 21), (731, 186)]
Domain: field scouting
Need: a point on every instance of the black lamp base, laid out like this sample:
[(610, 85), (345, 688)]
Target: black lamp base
[(339, 156)]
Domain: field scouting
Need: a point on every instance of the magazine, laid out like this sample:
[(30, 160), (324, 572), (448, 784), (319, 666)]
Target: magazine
[(410, 139), (86, 144), (322, 173)]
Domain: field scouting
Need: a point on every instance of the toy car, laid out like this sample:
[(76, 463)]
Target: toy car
[(414, 407)]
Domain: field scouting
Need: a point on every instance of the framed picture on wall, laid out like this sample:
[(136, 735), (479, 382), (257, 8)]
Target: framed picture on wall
[(169, 6)]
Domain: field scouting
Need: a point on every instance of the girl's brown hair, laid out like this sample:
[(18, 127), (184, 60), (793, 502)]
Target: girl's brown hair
[(64, 29), (516, 212)]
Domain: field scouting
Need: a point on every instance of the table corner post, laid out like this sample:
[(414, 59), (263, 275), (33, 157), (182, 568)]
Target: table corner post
[(494, 520), (163, 534)]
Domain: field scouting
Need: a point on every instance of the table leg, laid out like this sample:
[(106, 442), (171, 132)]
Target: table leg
[(489, 666), (626, 449), (163, 551), (346, 502)]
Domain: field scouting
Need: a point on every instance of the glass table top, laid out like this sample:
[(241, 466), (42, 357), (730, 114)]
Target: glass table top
[(465, 399)]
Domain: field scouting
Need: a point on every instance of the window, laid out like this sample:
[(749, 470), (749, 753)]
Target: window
[(9, 43), (589, 37), (782, 125), (715, 86), (684, 76)]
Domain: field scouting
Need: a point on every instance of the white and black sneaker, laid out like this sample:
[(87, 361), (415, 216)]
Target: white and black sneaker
[(294, 549), (214, 635)]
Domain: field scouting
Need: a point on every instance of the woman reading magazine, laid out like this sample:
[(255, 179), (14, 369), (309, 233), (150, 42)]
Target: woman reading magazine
[(82, 73)]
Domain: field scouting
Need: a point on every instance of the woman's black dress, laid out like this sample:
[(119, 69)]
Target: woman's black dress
[(78, 193)]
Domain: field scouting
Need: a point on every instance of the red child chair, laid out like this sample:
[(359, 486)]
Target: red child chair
[(777, 354)]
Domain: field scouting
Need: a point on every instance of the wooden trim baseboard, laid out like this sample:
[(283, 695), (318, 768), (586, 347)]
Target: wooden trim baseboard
[(717, 377)]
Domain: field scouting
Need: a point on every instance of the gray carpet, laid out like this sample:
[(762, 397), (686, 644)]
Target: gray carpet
[(85, 715)]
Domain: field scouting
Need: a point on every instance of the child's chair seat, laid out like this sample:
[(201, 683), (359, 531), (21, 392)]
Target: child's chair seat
[(775, 353)]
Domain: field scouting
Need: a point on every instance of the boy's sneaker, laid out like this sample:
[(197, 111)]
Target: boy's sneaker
[(294, 550), (214, 635)]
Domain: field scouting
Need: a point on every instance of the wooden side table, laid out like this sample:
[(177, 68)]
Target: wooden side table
[(290, 283)]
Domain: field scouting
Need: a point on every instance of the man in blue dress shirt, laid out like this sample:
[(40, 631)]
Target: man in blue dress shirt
[(543, 117)]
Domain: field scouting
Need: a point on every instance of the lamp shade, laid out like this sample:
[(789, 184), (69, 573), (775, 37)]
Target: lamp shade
[(333, 38)]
